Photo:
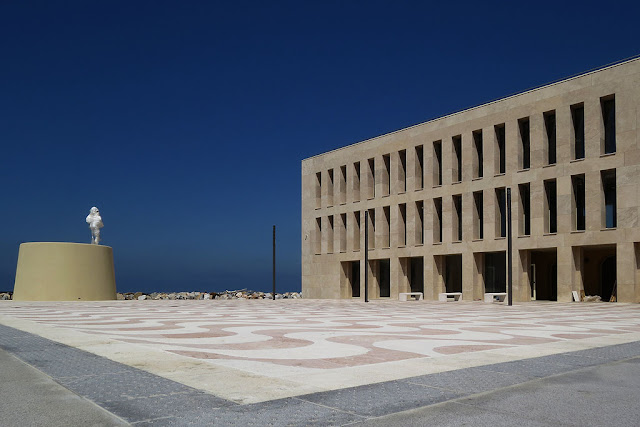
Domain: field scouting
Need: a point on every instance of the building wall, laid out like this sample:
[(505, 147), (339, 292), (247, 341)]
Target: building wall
[(330, 207)]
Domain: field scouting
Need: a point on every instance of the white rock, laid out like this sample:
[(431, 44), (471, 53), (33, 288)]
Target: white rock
[(142, 297)]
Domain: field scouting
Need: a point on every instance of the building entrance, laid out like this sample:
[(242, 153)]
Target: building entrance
[(350, 282), (416, 274), (495, 272), (599, 271), (453, 273), (543, 274)]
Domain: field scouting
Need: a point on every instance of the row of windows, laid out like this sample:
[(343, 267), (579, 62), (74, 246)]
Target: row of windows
[(347, 225), (364, 186)]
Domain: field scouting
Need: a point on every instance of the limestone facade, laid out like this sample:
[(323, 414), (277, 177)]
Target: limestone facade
[(435, 194)]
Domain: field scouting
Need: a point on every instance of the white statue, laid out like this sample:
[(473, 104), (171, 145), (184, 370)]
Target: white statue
[(95, 224)]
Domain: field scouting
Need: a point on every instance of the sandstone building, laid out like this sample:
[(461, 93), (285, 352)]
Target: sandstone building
[(435, 196)]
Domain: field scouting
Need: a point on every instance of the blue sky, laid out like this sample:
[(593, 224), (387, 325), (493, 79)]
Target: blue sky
[(185, 122)]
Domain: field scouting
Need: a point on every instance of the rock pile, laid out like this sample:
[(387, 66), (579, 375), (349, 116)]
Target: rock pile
[(240, 294), (5, 296)]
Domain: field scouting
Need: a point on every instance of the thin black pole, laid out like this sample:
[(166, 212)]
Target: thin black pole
[(274, 262), (366, 256), (509, 249)]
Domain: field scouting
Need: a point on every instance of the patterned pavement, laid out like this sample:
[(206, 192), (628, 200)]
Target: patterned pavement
[(260, 350)]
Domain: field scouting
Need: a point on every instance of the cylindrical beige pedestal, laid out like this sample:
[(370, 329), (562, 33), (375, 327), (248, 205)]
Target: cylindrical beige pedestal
[(52, 271)]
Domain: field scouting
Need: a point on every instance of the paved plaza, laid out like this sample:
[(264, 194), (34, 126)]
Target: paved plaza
[(308, 361)]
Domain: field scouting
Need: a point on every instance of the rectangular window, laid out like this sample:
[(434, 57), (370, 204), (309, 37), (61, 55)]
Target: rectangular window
[(608, 105), (501, 212), (342, 185), (478, 215), (500, 157), (402, 224), (386, 241), (356, 182), (608, 178), (386, 175), (457, 217), (525, 209), (356, 231), (457, 158), (419, 168), (372, 228), (550, 206), (437, 162), (330, 187), (371, 181), (419, 222), (550, 132), (317, 244), (577, 118), (343, 232), (525, 143), (478, 157), (318, 185), (402, 171), (578, 202), (330, 235), (437, 220)]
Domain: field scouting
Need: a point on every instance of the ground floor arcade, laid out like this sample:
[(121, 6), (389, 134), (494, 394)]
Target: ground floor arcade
[(552, 274)]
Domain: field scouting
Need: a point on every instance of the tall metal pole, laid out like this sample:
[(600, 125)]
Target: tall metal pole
[(274, 262), (509, 249), (366, 256)]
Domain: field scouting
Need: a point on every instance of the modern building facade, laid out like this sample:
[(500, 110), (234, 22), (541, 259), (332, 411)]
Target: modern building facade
[(435, 194)]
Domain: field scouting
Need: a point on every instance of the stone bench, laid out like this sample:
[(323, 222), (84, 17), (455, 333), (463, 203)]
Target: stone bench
[(494, 296), (402, 296), (450, 296)]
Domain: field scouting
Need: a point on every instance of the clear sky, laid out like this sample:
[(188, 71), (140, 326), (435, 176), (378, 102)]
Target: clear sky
[(185, 122)]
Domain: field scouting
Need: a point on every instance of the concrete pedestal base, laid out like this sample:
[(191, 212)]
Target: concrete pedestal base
[(52, 271)]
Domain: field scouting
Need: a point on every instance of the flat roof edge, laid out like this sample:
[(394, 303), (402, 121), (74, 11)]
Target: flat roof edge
[(533, 89)]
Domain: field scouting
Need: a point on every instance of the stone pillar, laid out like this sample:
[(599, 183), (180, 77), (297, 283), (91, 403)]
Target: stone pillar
[(626, 272), (566, 272), (468, 275)]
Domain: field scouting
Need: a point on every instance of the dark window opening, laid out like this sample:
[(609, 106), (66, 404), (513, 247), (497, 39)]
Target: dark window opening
[(577, 182), (420, 222), (500, 146), (501, 212), (386, 160), (609, 189), (457, 155), (318, 189), (437, 227), (372, 176), (479, 217), (577, 117), (525, 208), (403, 224), (608, 105), (551, 204), (403, 170), (525, 143), (550, 127), (479, 158), (437, 158), (457, 210), (419, 167)]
